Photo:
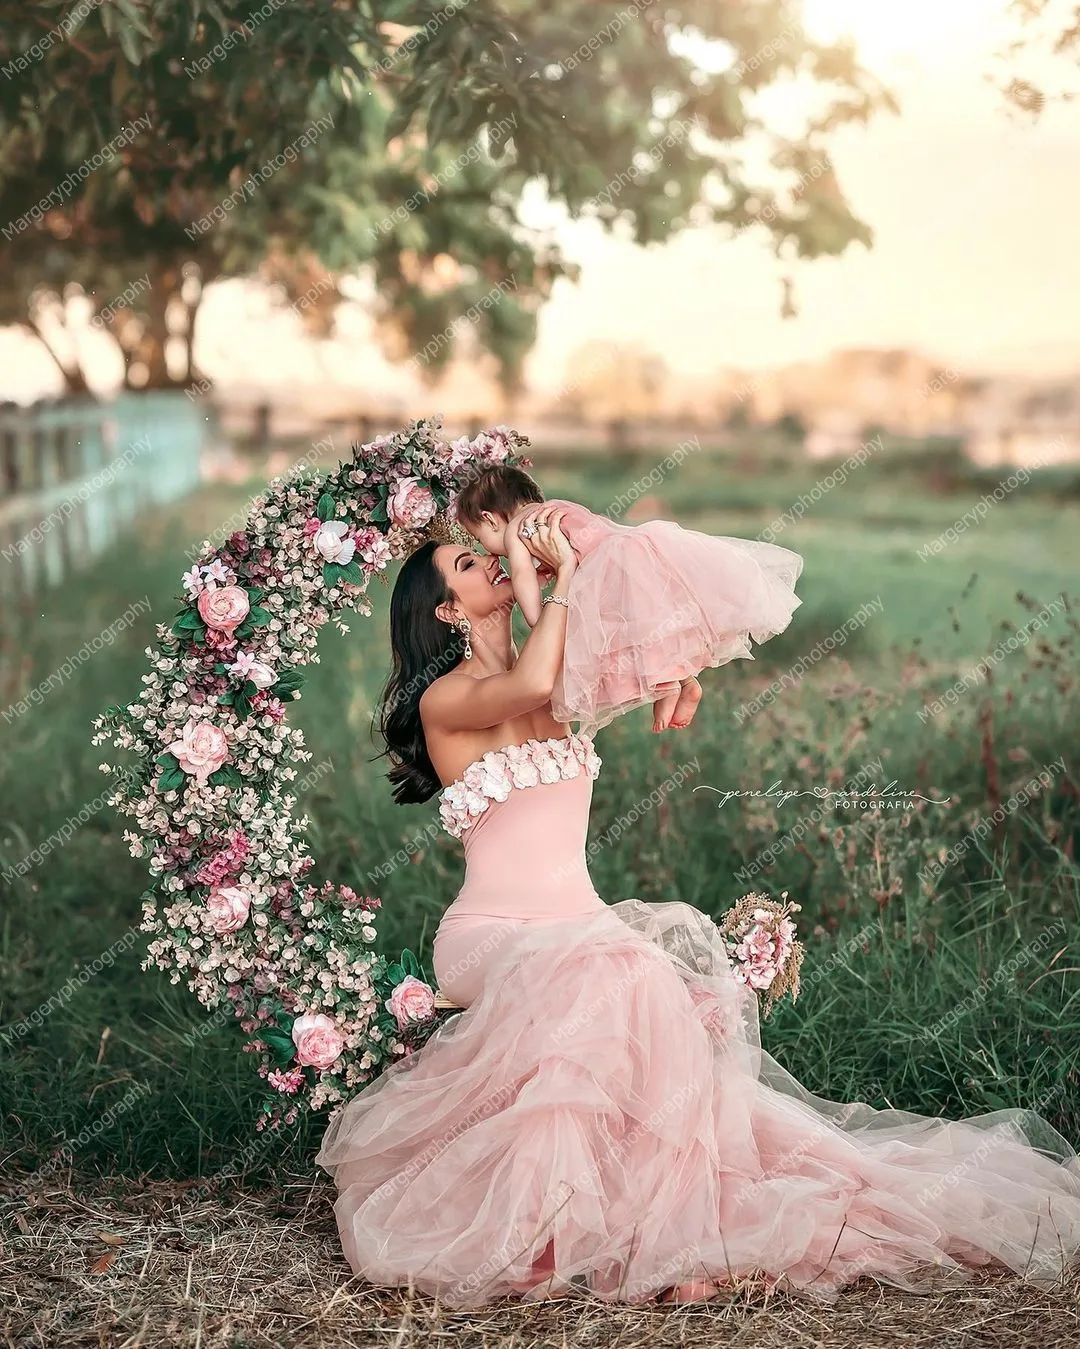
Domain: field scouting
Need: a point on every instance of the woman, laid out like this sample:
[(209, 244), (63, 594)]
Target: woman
[(601, 1114)]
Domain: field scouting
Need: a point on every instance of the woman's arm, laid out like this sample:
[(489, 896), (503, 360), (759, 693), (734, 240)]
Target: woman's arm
[(460, 703)]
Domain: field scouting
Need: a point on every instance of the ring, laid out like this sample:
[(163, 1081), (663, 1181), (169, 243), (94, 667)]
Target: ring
[(527, 531)]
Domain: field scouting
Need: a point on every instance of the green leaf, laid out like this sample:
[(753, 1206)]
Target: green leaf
[(330, 573), (410, 964), (327, 507), (187, 622), (287, 681), (168, 760), (353, 573), (227, 699), (280, 1045), (255, 595), (259, 617), (171, 780), (395, 974), (379, 514)]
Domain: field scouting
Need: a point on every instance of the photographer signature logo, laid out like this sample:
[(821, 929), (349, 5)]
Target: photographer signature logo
[(887, 798)]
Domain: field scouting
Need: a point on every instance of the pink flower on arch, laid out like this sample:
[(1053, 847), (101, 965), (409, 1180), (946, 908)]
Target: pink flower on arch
[(412, 505), (224, 608), (228, 907), (288, 1083), (318, 1041), (201, 749)]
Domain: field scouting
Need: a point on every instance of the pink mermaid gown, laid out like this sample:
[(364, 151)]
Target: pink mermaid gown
[(602, 1115), (655, 602)]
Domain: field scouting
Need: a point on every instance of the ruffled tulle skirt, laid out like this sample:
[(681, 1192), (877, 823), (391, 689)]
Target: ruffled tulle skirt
[(657, 603), (603, 1116)]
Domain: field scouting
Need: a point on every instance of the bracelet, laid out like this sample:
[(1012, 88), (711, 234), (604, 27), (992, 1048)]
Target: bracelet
[(557, 599)]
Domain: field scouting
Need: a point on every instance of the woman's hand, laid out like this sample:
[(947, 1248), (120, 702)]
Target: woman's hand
[(550, 544)]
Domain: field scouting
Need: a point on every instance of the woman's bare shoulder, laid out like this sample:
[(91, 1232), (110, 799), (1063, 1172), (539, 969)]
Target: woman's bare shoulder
[(451, 683)]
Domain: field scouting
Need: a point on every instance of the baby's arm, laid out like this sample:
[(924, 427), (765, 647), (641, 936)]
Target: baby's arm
[(523, 578)]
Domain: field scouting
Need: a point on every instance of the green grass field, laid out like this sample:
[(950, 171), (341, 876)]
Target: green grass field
[(956, 996)]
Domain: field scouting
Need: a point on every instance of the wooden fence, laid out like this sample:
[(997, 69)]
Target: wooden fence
[(74, 473)]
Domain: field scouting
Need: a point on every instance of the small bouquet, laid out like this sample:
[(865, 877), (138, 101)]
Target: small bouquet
[(411, 1009), (764, 951)]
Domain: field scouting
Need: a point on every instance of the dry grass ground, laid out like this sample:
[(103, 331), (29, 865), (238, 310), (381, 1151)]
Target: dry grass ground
[(131, 1266)]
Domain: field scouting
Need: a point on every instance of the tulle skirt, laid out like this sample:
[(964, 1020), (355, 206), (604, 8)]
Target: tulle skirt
[(603, 1117), (657, 603)]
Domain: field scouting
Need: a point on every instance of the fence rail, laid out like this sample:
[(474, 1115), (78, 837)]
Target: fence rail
[(74, 474)]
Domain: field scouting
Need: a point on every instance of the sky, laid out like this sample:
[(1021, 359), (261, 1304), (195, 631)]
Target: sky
[(974, 261)]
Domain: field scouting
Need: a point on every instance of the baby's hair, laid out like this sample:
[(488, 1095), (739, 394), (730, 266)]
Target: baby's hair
[(499, 489)]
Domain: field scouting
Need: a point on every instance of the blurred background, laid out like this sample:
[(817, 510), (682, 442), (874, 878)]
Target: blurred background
[(798, 272)]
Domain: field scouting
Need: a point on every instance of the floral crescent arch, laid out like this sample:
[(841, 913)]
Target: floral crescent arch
[(229, 908)]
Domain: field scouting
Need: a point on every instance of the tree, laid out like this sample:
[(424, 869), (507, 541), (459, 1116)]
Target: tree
[(136, 135)]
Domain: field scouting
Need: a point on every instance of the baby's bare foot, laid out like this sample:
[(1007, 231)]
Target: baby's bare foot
[(665, 706), (687, 705), (700, 1290)]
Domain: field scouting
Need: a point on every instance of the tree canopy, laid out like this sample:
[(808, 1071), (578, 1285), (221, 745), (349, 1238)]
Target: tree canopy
[(188, 141)]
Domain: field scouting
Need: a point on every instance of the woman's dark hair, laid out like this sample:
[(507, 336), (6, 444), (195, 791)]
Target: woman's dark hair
[(497, 488), (424, 647)]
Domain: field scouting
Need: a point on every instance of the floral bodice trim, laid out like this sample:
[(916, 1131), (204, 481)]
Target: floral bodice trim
[(492, 777)]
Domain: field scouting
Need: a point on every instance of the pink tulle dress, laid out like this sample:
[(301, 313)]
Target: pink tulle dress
[(602, 1116), (655, 602)]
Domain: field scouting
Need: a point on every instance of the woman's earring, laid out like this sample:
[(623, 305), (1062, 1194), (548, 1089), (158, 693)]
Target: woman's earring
[(465, 627)]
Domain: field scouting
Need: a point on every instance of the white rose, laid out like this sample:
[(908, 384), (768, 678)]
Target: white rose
[(331, 544)]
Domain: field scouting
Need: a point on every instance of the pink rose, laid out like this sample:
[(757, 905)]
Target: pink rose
[(201, 749), (412, 505), (411, 1001), (228, 907), (224, 608), (317, 1039)]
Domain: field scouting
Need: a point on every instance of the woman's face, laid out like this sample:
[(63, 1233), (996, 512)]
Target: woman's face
[(478, 582)]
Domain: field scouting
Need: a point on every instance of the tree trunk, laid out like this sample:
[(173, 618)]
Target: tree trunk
[(74, 377)]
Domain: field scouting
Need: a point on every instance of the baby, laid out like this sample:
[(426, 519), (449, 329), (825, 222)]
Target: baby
[(650, 606)]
